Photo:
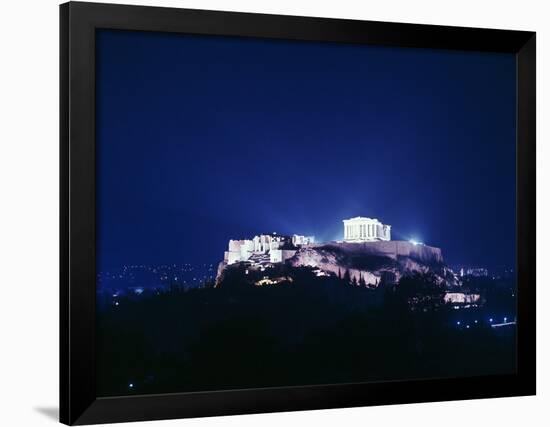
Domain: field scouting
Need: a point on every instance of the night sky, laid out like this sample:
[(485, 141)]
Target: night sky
[(204, 139)]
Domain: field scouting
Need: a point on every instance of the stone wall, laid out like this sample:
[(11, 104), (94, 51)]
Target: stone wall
[(392, 249), (280, 255)]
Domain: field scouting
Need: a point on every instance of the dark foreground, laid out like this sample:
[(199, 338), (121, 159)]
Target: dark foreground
[(310, 331)]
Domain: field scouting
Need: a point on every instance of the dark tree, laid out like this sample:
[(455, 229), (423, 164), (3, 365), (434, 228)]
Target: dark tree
[(347, 277), (420, 285)]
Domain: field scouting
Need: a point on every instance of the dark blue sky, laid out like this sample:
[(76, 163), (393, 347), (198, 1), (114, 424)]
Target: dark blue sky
[(203, 139)]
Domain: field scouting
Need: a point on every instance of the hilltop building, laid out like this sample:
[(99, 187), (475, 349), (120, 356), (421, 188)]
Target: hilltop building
[(361, 229), (265, 248)]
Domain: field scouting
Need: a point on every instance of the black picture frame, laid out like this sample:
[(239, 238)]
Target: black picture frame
[(78, 401)]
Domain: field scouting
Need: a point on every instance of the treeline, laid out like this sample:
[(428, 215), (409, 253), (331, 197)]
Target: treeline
[(307, 330)]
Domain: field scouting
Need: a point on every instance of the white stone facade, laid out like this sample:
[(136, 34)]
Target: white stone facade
[(264, 248), (361, 229), (302, 240), (461, 298)]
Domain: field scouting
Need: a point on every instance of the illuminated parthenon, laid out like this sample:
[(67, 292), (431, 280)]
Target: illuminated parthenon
[(361, 229)]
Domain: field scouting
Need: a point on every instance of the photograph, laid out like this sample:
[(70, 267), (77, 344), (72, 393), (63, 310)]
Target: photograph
[(276, 213), (280, 213)]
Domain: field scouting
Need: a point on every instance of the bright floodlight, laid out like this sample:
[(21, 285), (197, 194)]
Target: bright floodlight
[(415, 242)]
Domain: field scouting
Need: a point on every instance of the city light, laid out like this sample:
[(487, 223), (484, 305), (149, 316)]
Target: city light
[(491, 320), (131, 385), (505, 319), (458, 323)]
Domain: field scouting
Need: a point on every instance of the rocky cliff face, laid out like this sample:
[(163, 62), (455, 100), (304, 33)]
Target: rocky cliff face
[(374, 262)]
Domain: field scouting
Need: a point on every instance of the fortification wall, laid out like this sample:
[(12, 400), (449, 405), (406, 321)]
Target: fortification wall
[(392, 249)]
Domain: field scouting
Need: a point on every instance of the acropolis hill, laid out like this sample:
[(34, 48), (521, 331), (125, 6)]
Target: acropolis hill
[(367, 254), (392, 249)]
